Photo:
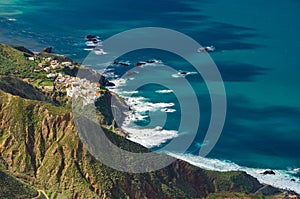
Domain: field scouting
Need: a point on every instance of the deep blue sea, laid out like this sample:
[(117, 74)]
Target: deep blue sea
[(257, 54)]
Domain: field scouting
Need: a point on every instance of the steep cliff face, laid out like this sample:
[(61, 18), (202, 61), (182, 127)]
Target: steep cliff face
[(39, 144)]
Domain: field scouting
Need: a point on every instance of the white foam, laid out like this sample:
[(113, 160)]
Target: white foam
[(149, 106), (133, 117), (146, 137), (281, 179), (164, 91), (150, 137), (296, 170), (177, 75), (12, 19), (140, 104), (157, 136), (99, 51), (168, 110), (128, 92), (119, 82)]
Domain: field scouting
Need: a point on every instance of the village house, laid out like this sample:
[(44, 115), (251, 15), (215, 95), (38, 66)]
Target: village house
[(48, 88), (31, 58), (48, 59), (51, 75), (47, 69), (54, 64), (66, 63)]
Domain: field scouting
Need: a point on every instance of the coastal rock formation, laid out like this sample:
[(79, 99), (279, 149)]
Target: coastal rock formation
[(47, 49), (104, 82), (268, 172), (24, 50), (41, 148), (90, 37)]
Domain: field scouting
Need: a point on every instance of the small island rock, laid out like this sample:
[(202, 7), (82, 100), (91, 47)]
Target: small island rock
[(269, 172)]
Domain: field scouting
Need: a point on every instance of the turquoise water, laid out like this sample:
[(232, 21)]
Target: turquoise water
[(257, 53)]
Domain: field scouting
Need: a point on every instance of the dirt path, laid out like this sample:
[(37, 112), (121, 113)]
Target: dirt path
[(265, 186), (41, 192)]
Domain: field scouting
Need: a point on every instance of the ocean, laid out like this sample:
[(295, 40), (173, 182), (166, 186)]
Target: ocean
[(257, 48)]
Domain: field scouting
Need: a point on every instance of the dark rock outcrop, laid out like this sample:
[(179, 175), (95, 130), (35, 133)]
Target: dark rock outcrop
[(24, 50), (90, 37), (121, 63), (108, 83), (104, 82), (268, 172), (140, 63), (47, 49)]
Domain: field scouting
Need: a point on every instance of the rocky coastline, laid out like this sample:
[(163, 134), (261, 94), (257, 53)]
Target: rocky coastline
[(40, 146)]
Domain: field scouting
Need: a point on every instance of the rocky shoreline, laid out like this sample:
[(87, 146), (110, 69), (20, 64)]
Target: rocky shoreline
[(50, 145)]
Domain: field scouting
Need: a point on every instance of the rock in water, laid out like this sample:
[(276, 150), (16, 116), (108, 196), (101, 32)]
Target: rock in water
[(140, 63), (269, 172), (90, 37), (47, 49), (110, 84)]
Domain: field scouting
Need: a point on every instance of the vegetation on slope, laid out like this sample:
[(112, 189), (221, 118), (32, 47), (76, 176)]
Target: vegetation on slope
[(11, 187), (14, 62), (15, 86)]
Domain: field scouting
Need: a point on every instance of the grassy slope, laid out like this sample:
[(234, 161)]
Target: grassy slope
[(16, 86), (11, 187), (13, 62)]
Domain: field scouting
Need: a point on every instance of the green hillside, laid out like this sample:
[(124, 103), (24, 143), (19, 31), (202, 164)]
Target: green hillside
[(10, 187)]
